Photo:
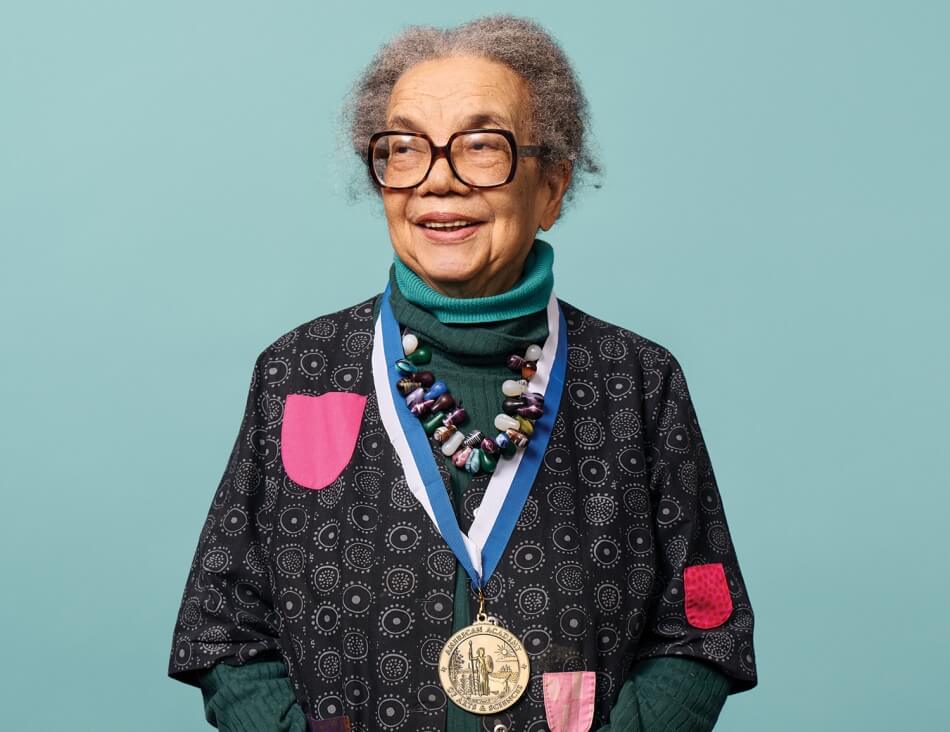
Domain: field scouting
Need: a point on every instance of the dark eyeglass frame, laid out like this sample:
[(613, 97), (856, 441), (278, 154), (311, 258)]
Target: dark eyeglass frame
[(442, 151)]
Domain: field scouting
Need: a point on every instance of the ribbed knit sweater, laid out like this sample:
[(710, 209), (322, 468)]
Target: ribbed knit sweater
[(470, 339)]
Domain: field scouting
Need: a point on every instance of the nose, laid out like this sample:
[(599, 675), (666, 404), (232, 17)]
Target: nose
[(441, 180)]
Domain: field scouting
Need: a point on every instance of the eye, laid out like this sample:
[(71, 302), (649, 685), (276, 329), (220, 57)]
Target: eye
[(483, 145), (407, 147)]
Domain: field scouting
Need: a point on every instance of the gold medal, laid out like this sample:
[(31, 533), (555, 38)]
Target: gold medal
[(484, 668)]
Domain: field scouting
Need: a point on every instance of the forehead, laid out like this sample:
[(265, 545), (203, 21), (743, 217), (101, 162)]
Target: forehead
[(443, 95)]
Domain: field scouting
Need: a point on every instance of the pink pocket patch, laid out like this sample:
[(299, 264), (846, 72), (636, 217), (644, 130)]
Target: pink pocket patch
[(707, 598), (318, 435), (569, 700)]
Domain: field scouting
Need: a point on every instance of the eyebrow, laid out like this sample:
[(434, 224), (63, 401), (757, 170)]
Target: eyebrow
[(476, 120)]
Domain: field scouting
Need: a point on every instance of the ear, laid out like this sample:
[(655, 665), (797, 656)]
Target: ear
[(554, 186)]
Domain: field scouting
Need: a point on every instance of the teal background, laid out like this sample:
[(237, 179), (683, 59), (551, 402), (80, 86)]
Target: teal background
[(774, 211)]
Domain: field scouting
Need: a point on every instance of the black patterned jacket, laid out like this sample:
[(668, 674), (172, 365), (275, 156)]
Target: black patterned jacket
[(621, 552)]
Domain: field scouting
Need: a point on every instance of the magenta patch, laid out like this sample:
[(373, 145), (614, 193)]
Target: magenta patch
[(318, 435), (707, 598), (569, 700)]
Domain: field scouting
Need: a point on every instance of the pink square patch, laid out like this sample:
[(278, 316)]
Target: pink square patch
[(569, 700), (707, 598), (318, 435)]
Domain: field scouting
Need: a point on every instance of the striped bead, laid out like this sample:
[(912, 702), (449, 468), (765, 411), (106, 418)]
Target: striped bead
[(444, 432), (518, 439), (474, 439), (407, 386)]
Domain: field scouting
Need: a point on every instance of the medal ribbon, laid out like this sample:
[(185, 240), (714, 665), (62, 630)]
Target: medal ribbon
[(480, 550)]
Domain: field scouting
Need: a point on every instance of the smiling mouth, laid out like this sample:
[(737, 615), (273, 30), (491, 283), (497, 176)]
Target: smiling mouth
[(449, 232), (447, 226)]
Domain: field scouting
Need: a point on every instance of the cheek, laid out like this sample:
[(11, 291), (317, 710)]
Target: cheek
[(515, 211), (395, 210)]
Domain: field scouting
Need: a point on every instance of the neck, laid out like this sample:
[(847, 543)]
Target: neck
[(526, 290)]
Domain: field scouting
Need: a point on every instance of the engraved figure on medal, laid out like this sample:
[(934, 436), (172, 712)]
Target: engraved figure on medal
[(484, 668)]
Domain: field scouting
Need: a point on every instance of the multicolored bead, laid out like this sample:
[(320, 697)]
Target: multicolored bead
[(490, 447), (406, 367), (504, 422), (444, 432), (533, 353), (515, 362), (457, 416), (453, 443), (487, 462), (531, 412), (407, 386), (444, 403), (461, 457), (511, 406), (433, 422), (505, 445), (519, 439), (474, 438), (415, 396), (409, 343), (429, 399), (420, 356), (421, 409), (426, 378), (532, 397), (474, 462), (512, 388), (436, 390)]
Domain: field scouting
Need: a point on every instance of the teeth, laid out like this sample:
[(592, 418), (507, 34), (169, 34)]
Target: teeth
[(446, 225)]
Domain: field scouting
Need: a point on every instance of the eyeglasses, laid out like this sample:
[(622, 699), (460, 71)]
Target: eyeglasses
[(483, 158)]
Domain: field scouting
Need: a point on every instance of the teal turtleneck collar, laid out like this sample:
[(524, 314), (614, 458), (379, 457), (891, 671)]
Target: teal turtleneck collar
[(530, 293)]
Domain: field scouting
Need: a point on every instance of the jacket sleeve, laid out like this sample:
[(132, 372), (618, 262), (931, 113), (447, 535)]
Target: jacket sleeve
[(669, 694), (699, 606), (253, 697), (227, 608)]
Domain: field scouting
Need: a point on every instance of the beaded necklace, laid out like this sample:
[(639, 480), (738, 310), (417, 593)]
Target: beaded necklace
[(441, 414)]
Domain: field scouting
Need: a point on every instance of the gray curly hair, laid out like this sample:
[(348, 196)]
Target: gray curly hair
[(559, 117)]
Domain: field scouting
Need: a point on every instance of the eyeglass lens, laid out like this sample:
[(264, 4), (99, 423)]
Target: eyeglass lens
[(480, 158)]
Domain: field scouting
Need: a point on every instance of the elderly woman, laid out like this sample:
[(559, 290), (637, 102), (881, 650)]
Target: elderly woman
[(465, 504)]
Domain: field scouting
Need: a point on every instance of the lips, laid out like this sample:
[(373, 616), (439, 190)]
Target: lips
[(447, 226), (446, 217)]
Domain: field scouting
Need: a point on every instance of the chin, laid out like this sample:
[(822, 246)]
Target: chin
[(448, 270), (448, 264)]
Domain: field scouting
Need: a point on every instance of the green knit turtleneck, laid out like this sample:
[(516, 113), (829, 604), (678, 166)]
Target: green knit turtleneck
[(529, 294)]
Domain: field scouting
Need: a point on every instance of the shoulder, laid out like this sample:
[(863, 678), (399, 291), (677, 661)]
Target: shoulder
[(609, 342), (328, 351), (326, 331)]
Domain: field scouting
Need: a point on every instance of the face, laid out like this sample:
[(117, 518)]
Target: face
[(439, 97)]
